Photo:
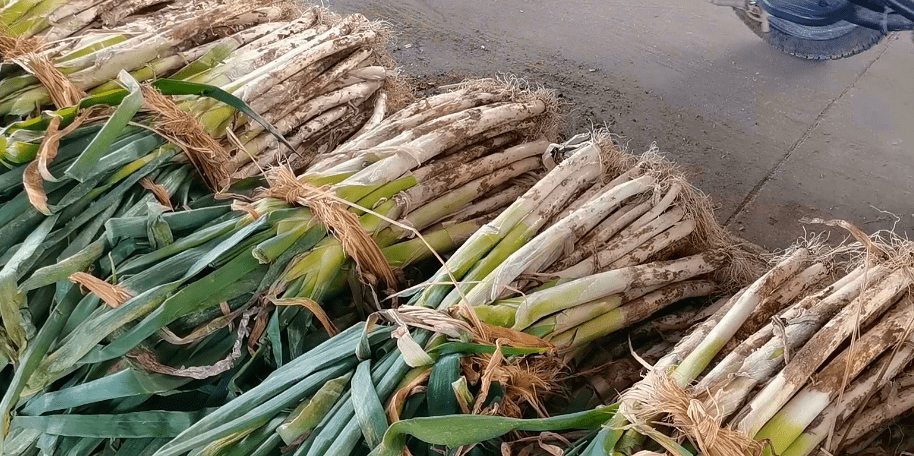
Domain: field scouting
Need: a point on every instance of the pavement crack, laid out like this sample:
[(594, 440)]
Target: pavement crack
[(753, 194)]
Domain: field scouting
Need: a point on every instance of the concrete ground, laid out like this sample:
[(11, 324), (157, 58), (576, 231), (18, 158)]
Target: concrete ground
[(770, 137)]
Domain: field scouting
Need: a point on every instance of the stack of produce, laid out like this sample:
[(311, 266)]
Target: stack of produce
[(53, 21), (318, 78), (437, 170), (537, 291), (804, 380), (339, 415), (144, 314), (38, 73), (79, 166)]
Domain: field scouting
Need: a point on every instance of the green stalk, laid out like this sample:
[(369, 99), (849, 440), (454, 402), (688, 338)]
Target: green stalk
[(567, 295), (890, 366), (15, 10), (631, 313), (150, 71), (444, 240), (520, 235), (36, 350), (269, 250), (626, 242), (307, 415), (419, 113), (788, 423), (486, 238), (537, 254), (772, 304), (569, 318), (37, 21), (91, 47), (471, 122), (699, 358)]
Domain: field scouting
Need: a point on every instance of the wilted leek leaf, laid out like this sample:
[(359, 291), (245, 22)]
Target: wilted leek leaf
[(457, 430)]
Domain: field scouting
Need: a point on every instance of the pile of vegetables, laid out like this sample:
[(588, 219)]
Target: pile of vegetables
[(528, 296), (327, 398), (316, 77), (55, 20), (229, 229), (794, 362), (261, 277), (102, 178), (41, 72)]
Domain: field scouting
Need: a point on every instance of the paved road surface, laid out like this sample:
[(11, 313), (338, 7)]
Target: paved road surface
[(771, 138)]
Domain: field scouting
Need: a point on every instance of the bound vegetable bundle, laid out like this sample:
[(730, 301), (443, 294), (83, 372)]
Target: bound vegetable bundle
[(55, 20), (317, 78), (792, 385), (83, 166), (646, 214), (536, 288), (40, 73), (440, 167)]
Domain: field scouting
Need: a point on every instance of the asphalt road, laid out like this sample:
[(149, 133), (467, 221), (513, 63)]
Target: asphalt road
[(770, 137)]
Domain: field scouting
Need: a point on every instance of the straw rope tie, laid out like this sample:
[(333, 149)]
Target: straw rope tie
[(183, 129), (343, 224), (660, 395), (24, 51)]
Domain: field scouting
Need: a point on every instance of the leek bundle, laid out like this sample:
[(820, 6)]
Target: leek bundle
[(63, 72), (272, 267), (318, 78), (55, 20), (82, 171), (539, 284), (789, 386)]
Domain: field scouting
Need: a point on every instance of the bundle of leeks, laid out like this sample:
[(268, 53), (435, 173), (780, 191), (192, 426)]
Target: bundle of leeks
[(241, 259), (836, 336), (653, 243)]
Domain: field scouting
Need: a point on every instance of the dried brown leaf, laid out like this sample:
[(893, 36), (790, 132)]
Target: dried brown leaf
[(551, 449), (113, 295), (147, 359), (34, 188), (48, 150), (246, 207), (396, 402), (313, 307), (37, 171), (200, 331), (260, 325), (160, 192), (512, 337), (428, 319), (487, 376), (49, 146)]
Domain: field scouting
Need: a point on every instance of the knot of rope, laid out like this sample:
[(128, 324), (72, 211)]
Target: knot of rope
[(207, 155), (658, 396), (333, 213), (25, 52)]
